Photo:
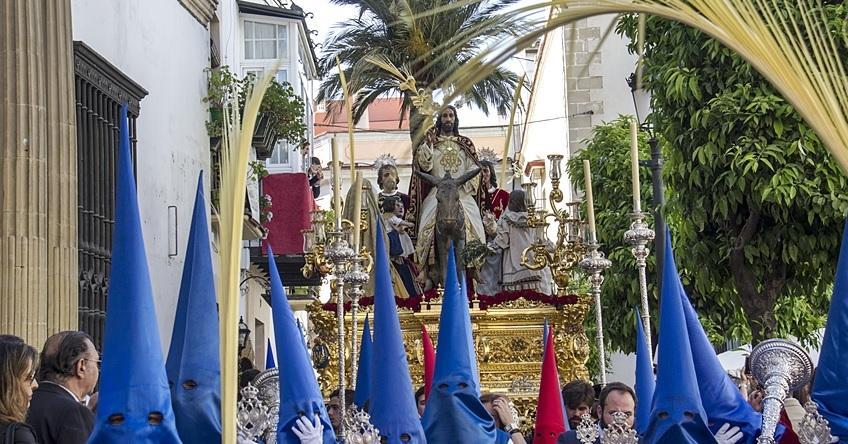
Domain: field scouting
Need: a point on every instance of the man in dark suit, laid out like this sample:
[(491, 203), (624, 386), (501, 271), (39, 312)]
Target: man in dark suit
[(615, 397), (70, 368)]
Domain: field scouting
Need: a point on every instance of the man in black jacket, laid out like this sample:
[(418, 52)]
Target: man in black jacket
[(70, 368)]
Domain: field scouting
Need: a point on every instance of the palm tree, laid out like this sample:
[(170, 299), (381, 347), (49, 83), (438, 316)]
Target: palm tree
[(412, 34)]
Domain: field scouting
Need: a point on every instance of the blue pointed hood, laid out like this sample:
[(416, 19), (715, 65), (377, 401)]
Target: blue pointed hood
[(193, 366), (363, 373), (454, 412), (463, 290), (677, 415), (645, 383), (723, 403), (393, 409), (269, 357), (829, 389), (299, 393), (133, 383)]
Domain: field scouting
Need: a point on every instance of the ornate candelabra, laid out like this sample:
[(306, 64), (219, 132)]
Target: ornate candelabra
[(782, 366), (565, 255), (638, 236), (595, 263)]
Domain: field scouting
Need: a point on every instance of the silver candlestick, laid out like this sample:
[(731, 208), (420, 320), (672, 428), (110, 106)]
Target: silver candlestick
[(639, 236), (595, 263), (340, 254), (781, 366), (355, 277)]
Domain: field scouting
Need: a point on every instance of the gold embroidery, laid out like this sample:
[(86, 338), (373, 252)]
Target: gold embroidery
[(450, 160)]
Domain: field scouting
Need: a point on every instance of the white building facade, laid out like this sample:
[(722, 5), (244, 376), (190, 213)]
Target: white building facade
[(163, 50)]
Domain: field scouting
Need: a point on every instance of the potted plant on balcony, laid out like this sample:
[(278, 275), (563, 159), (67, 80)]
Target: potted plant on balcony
[(280, 114)]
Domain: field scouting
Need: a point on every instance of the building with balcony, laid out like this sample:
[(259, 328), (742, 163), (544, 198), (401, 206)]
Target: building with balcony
[(73, 65)]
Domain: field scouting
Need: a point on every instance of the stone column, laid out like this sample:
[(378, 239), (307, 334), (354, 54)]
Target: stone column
[(38, 177)]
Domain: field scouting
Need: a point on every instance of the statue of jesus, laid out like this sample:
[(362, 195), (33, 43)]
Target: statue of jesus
[(444, 150)]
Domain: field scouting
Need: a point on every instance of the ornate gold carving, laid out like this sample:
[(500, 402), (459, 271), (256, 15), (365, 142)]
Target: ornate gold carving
[(508, 341)]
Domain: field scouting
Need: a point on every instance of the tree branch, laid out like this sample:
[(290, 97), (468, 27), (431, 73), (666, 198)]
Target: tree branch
[(745, 280)]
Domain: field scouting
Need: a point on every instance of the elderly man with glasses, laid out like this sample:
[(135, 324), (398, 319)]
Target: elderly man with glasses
[(70, 369)]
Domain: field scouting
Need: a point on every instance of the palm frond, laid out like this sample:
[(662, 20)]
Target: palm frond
[(799, 59)]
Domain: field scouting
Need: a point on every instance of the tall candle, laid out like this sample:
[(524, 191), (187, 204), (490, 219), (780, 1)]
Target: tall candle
[(337, 184), (590, 201), (357, 208), (634, 167)]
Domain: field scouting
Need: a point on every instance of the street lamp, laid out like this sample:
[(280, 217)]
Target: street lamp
[(642, 103), (243, 334)]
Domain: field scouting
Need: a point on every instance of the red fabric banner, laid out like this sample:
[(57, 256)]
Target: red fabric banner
[(291, 203)]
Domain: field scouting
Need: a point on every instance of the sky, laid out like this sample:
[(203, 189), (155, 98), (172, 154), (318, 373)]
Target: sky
[(328, 15)]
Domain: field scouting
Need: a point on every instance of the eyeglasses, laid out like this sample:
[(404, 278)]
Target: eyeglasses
[(99, 362)]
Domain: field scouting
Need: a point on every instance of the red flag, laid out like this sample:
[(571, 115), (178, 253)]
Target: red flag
[(550, 422), (429, 361)]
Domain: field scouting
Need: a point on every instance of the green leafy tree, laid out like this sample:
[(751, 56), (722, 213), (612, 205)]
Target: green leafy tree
[(430, 46), (755, 202)]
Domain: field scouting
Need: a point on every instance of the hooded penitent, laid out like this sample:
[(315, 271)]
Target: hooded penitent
[(454, 412), (550, 418), (677, 416), (429, 360), (363, 373), (135, 401), (299, 394), (830, 390), (393, 410), (722, 401), (645, 382), (193, 366)]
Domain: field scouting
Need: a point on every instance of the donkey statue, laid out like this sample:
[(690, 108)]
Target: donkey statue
[(450, 222)]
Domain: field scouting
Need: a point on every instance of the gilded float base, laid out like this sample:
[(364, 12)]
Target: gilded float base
[(507, 338)]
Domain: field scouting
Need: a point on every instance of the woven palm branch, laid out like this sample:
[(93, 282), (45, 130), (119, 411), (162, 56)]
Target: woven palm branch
[(235, 148), (797, 55)]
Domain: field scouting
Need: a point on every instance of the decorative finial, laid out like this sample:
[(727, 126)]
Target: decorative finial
[(358, 428), (587, 431), (253, 415), (619, 432), (814, 427)]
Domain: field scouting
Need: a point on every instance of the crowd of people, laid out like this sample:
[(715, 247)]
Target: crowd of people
[(48, 398)]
